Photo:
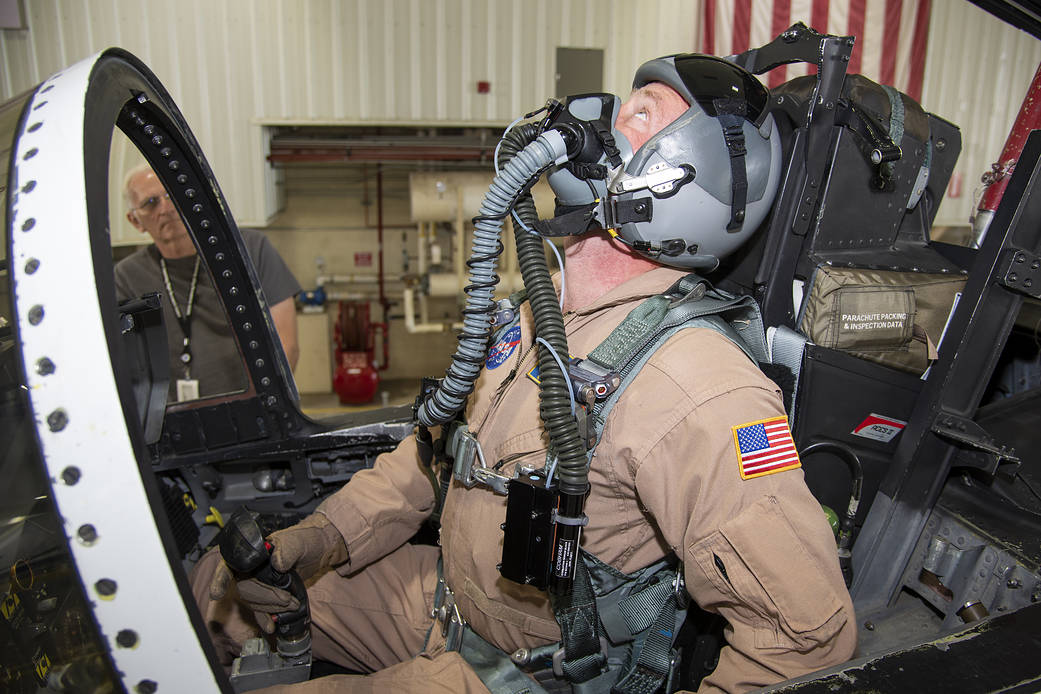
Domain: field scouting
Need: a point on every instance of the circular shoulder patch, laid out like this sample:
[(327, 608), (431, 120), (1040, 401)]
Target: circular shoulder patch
[(502, 349)]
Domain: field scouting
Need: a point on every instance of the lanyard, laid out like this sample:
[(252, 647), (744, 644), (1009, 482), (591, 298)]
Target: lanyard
[(185, 319)]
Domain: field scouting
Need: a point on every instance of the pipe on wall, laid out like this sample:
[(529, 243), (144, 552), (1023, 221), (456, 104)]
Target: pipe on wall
[(411, 326)]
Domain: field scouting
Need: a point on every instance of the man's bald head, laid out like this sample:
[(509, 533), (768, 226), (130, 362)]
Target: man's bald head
[(150, 211)]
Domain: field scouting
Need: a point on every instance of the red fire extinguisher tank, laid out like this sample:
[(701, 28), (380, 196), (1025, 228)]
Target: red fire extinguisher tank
[(355, 378)]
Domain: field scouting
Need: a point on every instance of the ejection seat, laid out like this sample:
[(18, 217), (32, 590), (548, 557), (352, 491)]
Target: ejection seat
[(903, 331), (850, 228)]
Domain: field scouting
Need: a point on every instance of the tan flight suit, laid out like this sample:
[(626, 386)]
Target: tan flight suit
[(665, 478)]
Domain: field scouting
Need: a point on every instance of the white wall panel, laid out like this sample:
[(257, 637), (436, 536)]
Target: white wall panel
[(977, 71), (234, 66)]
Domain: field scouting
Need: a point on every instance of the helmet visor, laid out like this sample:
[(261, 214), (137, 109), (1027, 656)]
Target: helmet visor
[(706, 79)]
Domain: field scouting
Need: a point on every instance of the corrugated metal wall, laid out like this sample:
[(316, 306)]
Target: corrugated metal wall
[(236, 66), (977, 72)]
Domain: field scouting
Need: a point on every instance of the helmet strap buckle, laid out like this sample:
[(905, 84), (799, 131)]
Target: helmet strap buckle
[(617, 212)]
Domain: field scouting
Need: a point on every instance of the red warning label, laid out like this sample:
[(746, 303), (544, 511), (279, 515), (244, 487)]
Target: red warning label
[(879, 428)]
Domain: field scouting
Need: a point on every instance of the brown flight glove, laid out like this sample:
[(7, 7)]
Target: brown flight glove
[(310, 547)]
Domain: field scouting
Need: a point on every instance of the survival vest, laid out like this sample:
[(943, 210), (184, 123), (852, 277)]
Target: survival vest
[(617, 629)]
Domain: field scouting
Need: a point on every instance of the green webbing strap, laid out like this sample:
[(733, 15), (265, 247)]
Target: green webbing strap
[(631, 332), (495, 668), (688, 299), (896, 121), (896, 114), (644, 618), (639, 662), (576, 614)]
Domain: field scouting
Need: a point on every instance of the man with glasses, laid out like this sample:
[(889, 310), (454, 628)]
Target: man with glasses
[(204, 359)]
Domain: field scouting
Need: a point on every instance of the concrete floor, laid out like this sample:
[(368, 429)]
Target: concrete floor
[(389, 394)]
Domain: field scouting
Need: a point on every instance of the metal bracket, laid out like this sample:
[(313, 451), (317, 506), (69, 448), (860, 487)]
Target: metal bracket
[(504, 313), (592, 382), (1022, 272), (468, 465), (965, 431), (831, 55), (491, 479), (462, 448)]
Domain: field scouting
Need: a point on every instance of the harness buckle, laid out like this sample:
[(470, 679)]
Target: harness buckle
[(463, 448), (491, 479), (591, 381), (468, 461), (689, 288), (558, 657), (679, 591), (447, 613), (504, 313)]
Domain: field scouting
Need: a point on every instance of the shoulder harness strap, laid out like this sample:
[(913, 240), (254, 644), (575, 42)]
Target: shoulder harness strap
[(648, 616), (617, 629), (689, 303)]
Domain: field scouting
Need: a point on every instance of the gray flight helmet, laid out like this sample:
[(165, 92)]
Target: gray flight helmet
[(693, 168)]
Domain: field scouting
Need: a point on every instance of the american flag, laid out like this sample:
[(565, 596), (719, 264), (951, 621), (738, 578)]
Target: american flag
[(765, 447), (891, 34)]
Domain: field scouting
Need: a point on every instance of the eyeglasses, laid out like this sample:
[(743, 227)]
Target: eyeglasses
[(151, 204)]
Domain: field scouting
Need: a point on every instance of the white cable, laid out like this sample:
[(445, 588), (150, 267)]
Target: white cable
[(563, 370), (523, 226), (552, 469), (560, 264), (495, 155)]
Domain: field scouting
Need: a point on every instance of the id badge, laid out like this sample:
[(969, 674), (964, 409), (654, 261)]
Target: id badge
[(187, 389)]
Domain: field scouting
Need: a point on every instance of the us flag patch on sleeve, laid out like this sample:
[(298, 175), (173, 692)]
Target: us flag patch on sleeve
[(765, 447)]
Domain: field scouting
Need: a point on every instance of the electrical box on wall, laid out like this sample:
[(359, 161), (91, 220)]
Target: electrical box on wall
[(12, 15), (579, 71)]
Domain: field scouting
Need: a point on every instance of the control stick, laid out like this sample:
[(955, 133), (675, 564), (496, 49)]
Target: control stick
[(248, 555)]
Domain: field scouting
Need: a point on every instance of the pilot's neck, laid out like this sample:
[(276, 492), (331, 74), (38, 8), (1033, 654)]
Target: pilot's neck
[(594, 265), (182, 248)]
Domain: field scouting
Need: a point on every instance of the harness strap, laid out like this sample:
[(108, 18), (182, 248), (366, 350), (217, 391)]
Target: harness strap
[(495, 668), (786, 348), (896, 123), (639, 610), (576, 613), (631, 332), (654, 664), (687, 299)]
